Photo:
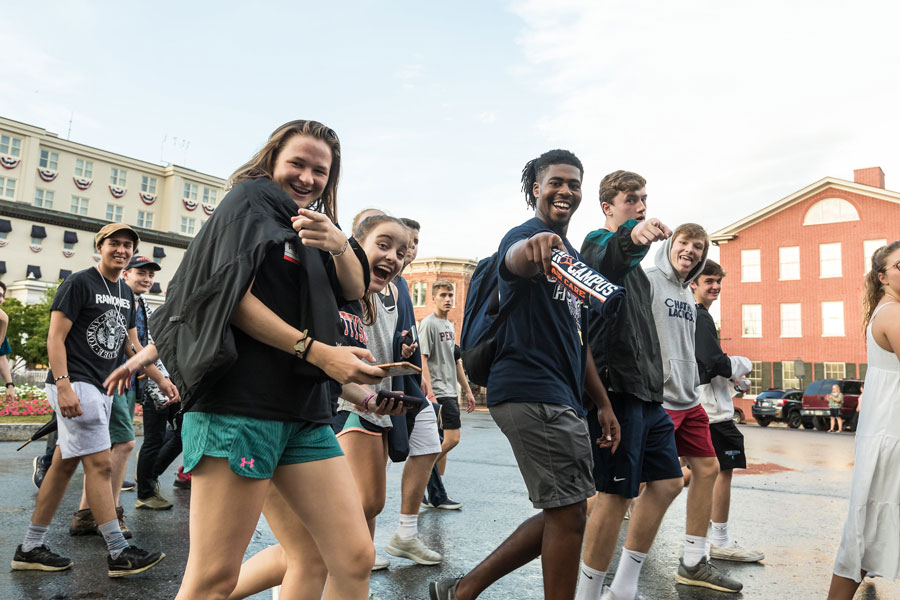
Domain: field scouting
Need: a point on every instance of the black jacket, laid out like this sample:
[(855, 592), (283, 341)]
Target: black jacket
[(711, 361), (192, 329), (625, 349)]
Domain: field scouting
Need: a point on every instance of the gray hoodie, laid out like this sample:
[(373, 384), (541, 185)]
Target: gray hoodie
[(675, 315)]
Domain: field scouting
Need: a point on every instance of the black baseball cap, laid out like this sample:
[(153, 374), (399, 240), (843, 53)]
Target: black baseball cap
[(143, 262)]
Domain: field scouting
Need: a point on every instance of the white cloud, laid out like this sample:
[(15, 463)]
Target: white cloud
[(487, 117)]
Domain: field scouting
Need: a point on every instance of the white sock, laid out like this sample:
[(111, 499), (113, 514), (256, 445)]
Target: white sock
[(718, 535), (590, 583), (625, 583), (409, 527), (694, 550)]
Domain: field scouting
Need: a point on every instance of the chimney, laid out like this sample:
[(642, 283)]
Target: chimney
[(872, 176)]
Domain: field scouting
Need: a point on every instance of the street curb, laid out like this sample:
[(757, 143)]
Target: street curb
[(19, 432)]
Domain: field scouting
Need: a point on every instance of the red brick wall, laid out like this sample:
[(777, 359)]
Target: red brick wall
[(462, 286), (878, 219)]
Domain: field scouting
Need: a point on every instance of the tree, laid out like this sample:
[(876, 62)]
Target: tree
[(28, 328)]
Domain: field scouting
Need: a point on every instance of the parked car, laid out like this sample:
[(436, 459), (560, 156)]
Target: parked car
[(814, 411), (776, 405)]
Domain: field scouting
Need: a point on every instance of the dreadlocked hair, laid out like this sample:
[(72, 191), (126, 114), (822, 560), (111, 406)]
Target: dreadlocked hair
[(874, 291), (534, 170), (362, 231)]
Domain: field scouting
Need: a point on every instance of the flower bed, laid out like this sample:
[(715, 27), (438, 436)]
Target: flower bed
[(32, 401)]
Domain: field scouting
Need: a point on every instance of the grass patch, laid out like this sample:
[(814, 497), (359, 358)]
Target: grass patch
[(25, 419)]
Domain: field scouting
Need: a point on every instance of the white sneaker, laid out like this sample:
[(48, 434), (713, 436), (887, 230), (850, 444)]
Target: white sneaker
[(608, 595), (735, 553), (414, 550), (380, 563)]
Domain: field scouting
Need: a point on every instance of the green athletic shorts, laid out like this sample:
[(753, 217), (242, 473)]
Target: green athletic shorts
[(121, 418), (254, 447)]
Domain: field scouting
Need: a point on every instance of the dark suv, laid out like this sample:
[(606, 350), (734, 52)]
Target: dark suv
[(814, 411), (782, 406)]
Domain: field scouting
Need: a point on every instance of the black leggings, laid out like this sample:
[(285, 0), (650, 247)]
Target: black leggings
[(160, 447)]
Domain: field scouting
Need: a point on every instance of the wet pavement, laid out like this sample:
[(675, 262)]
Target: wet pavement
[(790, 504)]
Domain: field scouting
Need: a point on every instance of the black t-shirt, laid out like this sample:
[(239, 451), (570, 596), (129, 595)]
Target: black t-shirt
[(540, 354), (101, 312), (264, 382)]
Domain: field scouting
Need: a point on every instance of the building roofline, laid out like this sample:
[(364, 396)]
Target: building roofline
[(52, 139), (28, 212), (730, 232)]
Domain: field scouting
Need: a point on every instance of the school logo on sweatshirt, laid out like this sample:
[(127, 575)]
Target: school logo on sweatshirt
[(679, 309), (353, 328)]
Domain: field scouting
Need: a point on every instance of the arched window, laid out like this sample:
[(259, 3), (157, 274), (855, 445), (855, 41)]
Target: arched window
[(830, 210)]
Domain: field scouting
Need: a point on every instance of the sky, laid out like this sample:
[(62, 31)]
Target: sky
[(724, 107)]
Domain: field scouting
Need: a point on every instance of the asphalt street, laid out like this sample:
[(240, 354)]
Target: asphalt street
[(790, 504)]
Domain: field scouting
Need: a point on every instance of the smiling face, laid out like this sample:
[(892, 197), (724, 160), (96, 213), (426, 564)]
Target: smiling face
[(558, 193), (706, 289), (625, 206), (302, 168), (385, 247), (139, 279), (890, 278), (116, 250), (685, 254)]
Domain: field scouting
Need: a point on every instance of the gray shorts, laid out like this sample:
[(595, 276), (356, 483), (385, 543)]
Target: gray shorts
[(552, 448), (424, 438), (88, 433)]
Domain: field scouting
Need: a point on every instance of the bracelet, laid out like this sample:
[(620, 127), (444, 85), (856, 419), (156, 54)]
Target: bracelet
[(10, 383), (60, 377), (344, 249), (366, 401)]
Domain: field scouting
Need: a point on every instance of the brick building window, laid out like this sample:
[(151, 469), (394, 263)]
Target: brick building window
[(835, 370), (830, 260), (755, 377), (145, 219), (79, 206), (751, 320), (419, 293), (791, 326), (114, 213), (869, 248), (49, 160), (789, 378), (789, 263), (187, 225), (750, 260), (84, 168), (832, 319), (830, 210), (43, 198)]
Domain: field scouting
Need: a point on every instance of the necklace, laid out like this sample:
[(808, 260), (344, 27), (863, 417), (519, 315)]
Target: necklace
[(888, 293), (109, 293)]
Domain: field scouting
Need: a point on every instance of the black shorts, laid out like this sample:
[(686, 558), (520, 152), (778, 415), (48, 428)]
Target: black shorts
[(449, 413), (835, 412), (729, 444), (646, 452)]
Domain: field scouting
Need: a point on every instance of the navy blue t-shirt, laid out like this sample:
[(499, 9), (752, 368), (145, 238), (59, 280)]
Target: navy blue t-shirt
[(540, 354)]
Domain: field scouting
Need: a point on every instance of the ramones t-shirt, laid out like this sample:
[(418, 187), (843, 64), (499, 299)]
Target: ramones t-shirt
[(263, 382), (102, 313), (540, 354)]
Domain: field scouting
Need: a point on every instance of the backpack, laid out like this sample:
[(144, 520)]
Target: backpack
[(481, 319)]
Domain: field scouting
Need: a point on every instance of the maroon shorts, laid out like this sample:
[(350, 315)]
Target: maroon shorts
[(692, 432)]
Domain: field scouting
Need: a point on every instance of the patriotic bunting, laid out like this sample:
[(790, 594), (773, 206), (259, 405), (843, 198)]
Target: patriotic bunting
[(47, 175), (8, 162), (116, 191), (81, 183)]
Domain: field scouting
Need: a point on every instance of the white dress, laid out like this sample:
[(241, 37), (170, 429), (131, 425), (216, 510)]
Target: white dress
[(871, 539)]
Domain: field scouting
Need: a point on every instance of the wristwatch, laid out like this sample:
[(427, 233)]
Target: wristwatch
[(303, 344)]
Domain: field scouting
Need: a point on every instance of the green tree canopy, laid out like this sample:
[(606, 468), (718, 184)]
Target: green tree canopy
[(28, 328)]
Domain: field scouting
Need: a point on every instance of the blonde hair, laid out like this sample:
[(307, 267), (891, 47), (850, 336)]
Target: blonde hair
[(874, 291), (441, 284), (262, 164)]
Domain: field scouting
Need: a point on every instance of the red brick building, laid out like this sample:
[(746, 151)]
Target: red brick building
[(795, 278), (423, 272)]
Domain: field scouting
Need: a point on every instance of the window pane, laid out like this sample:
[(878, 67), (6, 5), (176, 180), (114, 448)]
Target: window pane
[(830, 260), (835, 370), (791, 321), (751, 318), (755, 377), (750, 265), (832, 319), (869, 248), (830, 210), (789, 379), (789, 263)]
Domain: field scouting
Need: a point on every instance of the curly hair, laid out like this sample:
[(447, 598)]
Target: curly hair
[(874, 291)]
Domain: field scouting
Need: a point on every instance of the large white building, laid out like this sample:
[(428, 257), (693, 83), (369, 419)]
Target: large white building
[(55, 194)]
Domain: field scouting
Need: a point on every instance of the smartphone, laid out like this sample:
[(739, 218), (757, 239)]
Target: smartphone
[(407, 401), (410, 338), (400, 368)]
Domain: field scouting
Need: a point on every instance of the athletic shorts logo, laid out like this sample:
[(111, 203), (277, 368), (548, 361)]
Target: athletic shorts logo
[(618, 479), (247, 463)]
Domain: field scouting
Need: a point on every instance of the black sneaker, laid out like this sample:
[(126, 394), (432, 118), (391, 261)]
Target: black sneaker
[(132, 560), (39, 471), (128, 486), (40, 558)]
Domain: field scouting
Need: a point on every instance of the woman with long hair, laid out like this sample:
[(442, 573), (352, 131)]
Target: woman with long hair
[(871, 540), (250, 330)]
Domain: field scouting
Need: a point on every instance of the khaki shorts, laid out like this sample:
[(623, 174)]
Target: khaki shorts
[(552, 448)]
